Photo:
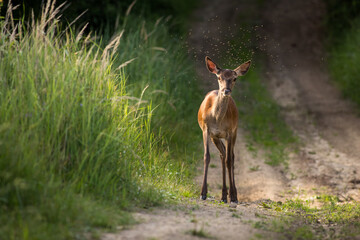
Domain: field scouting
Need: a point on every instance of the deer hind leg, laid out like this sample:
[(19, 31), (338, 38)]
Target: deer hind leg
[(230, 167), (233, 178), (220, 146), (233, 167), (206, 163)]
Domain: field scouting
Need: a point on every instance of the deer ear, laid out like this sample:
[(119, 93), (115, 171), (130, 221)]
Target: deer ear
[(243, 68), (211, 66)]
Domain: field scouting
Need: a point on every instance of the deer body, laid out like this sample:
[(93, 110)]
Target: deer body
[(218, 119), (218, 114)]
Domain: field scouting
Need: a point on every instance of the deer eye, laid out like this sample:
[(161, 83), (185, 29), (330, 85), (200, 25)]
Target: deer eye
[(234, 79)]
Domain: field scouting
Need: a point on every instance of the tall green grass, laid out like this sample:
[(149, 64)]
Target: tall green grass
[(161, 67), (344, 62), (82, 136)]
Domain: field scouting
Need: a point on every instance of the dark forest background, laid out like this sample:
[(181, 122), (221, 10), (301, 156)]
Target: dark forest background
[(103, 15)]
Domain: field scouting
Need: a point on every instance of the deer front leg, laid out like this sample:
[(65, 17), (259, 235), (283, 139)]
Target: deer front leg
[(220, 146), (206, 164)]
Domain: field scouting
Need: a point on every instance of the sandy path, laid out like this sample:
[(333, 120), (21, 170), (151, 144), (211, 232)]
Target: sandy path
[(177, 222), (312, 106)]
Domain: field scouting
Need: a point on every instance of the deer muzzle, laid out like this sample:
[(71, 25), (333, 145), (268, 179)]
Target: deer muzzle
[(227, 92)]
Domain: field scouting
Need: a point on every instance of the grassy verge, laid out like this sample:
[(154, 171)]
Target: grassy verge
[(344, 60), (259, 114), (81, 136), (342, 22), (299, 219), (261, 118)]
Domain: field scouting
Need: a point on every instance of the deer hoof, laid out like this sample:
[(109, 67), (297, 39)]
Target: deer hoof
[(203, 197), (234, 202), (224, 200)]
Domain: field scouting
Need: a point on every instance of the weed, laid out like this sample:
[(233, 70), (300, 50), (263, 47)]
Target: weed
[(200, 233), (259, 236), (235, 215), (195, 207), (304, 232), (293, 176), (254, 168), (260, 215), (260, 225)]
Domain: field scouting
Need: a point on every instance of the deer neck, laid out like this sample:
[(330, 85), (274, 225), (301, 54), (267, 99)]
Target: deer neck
[(220, 107)]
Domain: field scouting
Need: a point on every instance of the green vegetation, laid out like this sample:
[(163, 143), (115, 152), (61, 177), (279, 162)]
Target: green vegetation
[(340, 17), (259, 114), (82, 135), (344, 61), (261, 118), (254, 168), (297, 219), (235, 215), (160, 72), (343, 22), (200, 233)]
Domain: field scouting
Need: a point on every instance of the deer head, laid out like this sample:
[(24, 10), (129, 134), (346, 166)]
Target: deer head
[(226, 77)]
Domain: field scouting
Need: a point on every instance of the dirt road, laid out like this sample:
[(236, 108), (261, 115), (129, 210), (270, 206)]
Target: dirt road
[(298, 79), (296, 75)]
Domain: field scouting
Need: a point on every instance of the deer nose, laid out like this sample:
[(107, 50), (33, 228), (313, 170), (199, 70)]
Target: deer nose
[(227, 91)]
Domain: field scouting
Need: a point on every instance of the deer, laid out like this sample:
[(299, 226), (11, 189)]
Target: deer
[(218, 119)]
